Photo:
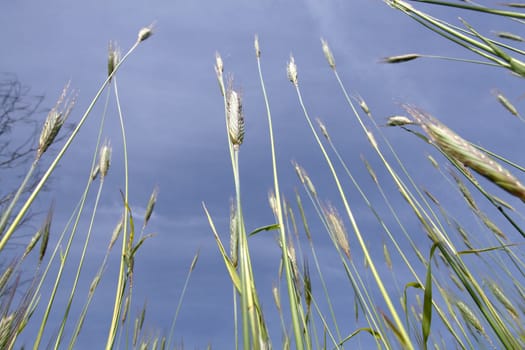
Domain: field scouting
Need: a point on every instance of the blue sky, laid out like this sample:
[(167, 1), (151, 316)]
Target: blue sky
[(176, 133)]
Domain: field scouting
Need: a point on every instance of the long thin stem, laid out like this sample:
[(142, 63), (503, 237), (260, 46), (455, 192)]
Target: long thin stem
[(247, 322), (60, 154), (179, 304), (79, 268), (125, 244), (405, 339), (7, 212), (292, 295)]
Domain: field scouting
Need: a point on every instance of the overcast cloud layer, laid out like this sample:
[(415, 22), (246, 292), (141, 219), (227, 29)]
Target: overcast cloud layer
[(176, 132)]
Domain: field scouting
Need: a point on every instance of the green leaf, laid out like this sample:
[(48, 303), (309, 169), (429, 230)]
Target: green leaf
[(489, 249), (375, 334), (427, 299), (229, 266), (409, 285), (264, 228)]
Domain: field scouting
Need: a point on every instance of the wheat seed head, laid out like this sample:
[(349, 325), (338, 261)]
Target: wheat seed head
[(336, 225), (55, 119), (151, 204), (256, 46), (401, 58), (398, 120), (291, 70), (328, 54), (235, 117), (145, 33), (457, 148), (219, 65), (113, 57), (104, 159)]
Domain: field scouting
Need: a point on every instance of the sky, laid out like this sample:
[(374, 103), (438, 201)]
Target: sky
[(176, 135)]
